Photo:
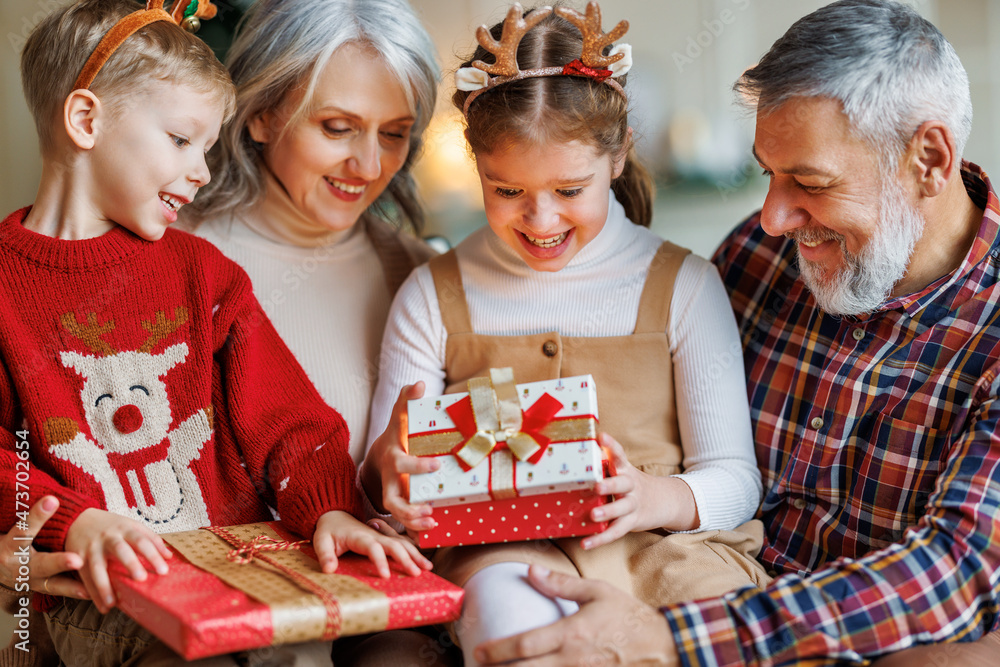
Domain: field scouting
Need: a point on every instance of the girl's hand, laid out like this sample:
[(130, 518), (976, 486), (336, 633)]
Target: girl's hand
[(387, 464), (626, 486), (642, 501), (48, 572), (97, 536), (338, 532)]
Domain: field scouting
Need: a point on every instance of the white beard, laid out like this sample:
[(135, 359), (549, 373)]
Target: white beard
[(867, 278)]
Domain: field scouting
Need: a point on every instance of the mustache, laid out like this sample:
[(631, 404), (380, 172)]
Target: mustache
[(814, 236)]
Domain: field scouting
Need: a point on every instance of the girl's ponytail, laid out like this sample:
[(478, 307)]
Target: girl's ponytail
[(634, 189)]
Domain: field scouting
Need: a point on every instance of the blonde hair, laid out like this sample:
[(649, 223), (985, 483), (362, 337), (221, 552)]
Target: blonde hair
[(281, 48), (558, 108), (58, 47)]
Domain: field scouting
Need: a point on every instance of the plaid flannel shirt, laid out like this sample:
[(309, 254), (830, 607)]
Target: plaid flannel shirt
[(877, 439)]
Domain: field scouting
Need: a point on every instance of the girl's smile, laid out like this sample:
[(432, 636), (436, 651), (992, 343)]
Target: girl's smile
[(546, 248)]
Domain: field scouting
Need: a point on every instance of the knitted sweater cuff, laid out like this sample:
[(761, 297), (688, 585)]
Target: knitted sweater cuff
[(301, 516)]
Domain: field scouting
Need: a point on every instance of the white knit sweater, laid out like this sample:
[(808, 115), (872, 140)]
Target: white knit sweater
[(605, 278)]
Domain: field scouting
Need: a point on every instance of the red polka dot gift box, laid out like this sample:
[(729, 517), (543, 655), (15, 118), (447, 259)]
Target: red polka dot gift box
[(518, 461), (256, 585)]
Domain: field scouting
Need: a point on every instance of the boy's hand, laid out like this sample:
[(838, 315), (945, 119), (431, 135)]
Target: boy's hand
[(97, 535), (338, 532), (642, 501), (388, 456)]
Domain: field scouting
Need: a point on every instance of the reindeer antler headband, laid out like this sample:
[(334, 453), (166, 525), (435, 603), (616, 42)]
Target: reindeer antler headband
[(186, 13), (482, 77)]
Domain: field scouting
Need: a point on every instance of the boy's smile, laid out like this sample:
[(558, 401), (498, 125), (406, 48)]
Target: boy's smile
[(148, 160)]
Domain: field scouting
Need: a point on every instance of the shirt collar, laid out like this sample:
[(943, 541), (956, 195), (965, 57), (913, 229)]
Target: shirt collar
[(987, 243)]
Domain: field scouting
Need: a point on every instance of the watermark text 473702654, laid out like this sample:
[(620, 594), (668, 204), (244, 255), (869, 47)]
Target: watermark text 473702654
[(22, 630)]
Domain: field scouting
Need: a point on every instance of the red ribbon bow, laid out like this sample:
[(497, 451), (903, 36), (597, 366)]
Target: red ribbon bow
[(533, 420), (259, 545), (577, 68)]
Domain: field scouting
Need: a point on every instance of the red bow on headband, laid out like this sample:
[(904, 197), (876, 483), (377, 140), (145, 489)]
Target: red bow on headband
[(577, 68)]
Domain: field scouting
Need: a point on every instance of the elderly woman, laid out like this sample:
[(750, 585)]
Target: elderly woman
[(310, 186), (332, 99)]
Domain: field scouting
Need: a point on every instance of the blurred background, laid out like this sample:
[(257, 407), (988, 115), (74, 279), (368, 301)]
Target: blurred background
[(687, 54)]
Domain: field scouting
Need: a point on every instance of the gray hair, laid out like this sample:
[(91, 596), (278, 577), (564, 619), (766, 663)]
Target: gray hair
[(889, 67), (283, 46)]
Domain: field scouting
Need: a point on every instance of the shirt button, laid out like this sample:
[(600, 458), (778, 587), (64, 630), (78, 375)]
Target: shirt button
[(772, 573), (549, 348), (858, 334), (799, 504), (816, 423)]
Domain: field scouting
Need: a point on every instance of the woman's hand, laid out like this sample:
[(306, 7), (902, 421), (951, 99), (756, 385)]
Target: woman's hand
[(642, 501), (387, 465), (97, 536), (338, 532), (48, 572)]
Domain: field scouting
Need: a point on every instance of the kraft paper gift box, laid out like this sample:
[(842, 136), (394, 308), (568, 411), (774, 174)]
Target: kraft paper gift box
[(518, 462), (257, 585)]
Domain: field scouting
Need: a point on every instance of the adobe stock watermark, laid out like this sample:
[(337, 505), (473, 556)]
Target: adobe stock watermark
[(22, 630), (737, 179), (45, 7), (704, 39)]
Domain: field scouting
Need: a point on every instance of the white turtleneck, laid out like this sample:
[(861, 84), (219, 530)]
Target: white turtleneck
[(606, 277), (324, 291)]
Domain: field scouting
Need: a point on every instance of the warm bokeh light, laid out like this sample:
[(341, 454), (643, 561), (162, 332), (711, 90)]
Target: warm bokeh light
[(446, 169), (446, 175)]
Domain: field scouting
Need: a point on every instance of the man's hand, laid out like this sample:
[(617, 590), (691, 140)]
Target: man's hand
[(611, 625)]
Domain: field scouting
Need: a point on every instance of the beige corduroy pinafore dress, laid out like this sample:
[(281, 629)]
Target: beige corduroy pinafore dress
[(635, 398)]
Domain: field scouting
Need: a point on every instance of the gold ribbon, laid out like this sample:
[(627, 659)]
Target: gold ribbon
[(561, 430), (484, 411), (296, 615), (502, 475), (497, 412)]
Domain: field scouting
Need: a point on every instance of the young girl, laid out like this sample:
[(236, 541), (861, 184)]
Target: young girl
[(567, 280)]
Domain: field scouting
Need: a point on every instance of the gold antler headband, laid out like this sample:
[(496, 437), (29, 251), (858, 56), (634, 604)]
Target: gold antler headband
[(482, 77), (186, 13)]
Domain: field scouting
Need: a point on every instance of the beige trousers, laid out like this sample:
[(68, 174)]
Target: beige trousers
[(84, 637)]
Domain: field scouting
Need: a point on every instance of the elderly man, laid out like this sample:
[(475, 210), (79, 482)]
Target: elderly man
[(867, 293)]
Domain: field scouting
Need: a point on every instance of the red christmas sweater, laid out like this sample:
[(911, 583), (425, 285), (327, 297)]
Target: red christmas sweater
[(144, 379)]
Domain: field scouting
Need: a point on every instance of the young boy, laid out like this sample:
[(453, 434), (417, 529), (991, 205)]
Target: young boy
[(140, 382)]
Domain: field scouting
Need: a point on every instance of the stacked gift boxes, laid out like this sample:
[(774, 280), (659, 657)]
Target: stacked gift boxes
[(529, 479), (256, 585)]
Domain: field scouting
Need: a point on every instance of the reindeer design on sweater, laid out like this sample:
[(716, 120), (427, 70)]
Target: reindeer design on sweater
[(142, 466)]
